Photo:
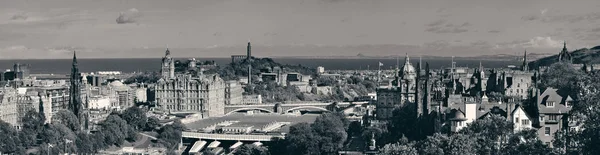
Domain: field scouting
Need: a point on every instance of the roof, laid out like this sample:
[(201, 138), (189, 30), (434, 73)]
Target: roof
[(551, 94), (457, 115)]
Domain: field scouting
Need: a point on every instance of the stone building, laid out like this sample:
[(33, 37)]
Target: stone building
[(233, 92), (29, 99), (167, 69), (8, 104), (186, 93), (410, 86)]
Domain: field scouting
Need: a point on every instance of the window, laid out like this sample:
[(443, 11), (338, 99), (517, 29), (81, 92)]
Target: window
[(550, 103), (573, 129), (547, 131), (568, 104), (541, 118), (525, 122), (517, 120), (553, 117)]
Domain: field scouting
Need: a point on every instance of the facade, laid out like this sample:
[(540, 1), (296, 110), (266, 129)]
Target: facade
[(167, 69), (8, 104), (233, 93), (464, 110), (122, 95), (187, 93), (553, 111), (320, 70), (251, 99), (410, 86), (28, 99), (99, 102), (521, 120)]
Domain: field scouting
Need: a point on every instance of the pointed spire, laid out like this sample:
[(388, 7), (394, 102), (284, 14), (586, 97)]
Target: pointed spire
[(74, 58), (167, 53), (420, 61), (525, 65), (407, 59)]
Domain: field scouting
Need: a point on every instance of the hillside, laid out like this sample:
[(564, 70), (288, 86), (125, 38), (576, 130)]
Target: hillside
[(580, 56)]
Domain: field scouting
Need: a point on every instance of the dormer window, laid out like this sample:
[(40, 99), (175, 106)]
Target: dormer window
[(568, 104), (550, 104)]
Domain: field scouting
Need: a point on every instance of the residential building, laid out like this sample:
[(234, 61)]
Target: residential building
[(233, 93), (521, 120), (8, 104), (553, 113)]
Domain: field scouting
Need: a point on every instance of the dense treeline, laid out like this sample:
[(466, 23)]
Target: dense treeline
[(64, 134)]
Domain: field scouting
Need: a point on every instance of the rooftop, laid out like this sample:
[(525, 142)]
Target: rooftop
[(254, 119)]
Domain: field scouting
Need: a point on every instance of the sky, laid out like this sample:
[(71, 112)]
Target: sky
[(38, 29)]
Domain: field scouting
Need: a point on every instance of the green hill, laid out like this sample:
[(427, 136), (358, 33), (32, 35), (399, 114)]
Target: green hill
[(580, 56)]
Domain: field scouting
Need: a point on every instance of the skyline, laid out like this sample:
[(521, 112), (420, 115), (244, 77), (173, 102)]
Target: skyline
[(144, 28)]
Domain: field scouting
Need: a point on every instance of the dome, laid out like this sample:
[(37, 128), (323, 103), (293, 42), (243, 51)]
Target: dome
[(458, 116), (116, 83)]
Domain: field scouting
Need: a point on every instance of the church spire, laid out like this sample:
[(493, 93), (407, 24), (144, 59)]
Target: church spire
[(407, 59), (525, 66), (167, 53), (74, 58)]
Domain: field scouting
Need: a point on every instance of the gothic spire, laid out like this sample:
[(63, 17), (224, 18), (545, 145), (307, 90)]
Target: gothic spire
[(74, 58), (525, 66), (407, 59), (167, 53)]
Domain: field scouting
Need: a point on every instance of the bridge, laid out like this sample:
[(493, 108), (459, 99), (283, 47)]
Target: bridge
[(285, 108), (229, 137)]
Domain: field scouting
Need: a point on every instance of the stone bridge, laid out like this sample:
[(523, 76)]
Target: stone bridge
[(284, 108)]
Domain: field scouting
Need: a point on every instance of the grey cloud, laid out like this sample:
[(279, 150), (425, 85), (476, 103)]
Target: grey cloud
[(481, 44), (442, 26), (437, 23), (129, 16), (20, 16), (571, 18)]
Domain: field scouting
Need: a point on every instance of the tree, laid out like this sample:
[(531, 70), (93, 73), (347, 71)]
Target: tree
[(302, 140), (399, 149), (491, 132), (404, 123), (116, 130), (152, 124), (85, 144), (460, 144), (525, 143), (249, 149), (135, 117), (9, 140), (68, 119), (169, 136), (433, 145), (32, 120)]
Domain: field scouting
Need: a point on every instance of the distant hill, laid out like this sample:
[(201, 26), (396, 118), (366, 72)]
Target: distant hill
[(580, 56)]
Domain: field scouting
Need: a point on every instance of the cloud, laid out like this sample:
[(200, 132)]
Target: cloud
[(536, 42), (437, 23), (15, 48), (20, 16), (543, 11), (129, 16), (442, 26), (568, 18), (494, 31)]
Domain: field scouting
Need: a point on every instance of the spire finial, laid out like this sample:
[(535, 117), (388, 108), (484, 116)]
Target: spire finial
[(407, 58)]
